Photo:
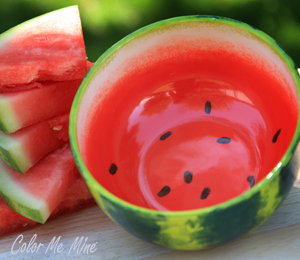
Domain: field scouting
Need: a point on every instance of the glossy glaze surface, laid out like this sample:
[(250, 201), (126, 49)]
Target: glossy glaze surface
[(191, 131)]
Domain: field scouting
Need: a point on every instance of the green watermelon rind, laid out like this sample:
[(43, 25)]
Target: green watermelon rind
[(13, 154), (7, 157), (24, 210), (8, 119), (20, 200), (2, 128)]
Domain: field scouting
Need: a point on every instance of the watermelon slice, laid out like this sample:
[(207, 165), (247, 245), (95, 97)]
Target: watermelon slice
[(22, 149), (77, 197), (48, 100), (36, 194), (48, 47), (42, 64)]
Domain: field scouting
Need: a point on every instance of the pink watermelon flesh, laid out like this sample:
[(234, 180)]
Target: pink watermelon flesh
[(60, 126), (43, 137), (22, 149), (10, 89), (42, 84), (48, 47), (36, 194), (77, 197), (30, 106), (27, 104)]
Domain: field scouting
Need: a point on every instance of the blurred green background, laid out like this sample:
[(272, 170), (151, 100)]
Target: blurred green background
[(106, 21)]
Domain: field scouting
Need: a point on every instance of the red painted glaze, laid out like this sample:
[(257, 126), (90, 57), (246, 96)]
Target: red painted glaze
[(248, 107)]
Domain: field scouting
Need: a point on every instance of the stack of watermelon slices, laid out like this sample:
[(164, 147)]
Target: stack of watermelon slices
[(42, 63)]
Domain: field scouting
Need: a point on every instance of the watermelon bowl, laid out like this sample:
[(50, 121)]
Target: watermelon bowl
[(186, 131)]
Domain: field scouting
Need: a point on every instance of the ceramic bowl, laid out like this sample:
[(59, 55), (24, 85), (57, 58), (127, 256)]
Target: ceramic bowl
[(186, 130)]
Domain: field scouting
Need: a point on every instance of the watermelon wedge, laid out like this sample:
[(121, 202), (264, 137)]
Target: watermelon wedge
[(22, 149), (77, 197), (36, 194), (23, 108), (47, 48)]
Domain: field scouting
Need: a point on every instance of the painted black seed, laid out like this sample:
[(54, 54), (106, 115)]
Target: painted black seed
[(164, 191), (251, 180), (276, 136), (207, 107), (188, 177), (113, 169), (165, 135), (223, 140), (205, 193)]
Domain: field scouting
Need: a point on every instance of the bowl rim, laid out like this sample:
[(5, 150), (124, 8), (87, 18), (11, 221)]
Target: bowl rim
[(216, 207)]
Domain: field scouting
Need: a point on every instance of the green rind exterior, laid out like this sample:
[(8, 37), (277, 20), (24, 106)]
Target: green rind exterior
[(203, 228), (7, 157), (22, 209), (13, 153), (9, 122), (3, 128)]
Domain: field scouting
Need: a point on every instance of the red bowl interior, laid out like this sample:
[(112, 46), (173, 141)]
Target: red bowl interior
[(190, 131)]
